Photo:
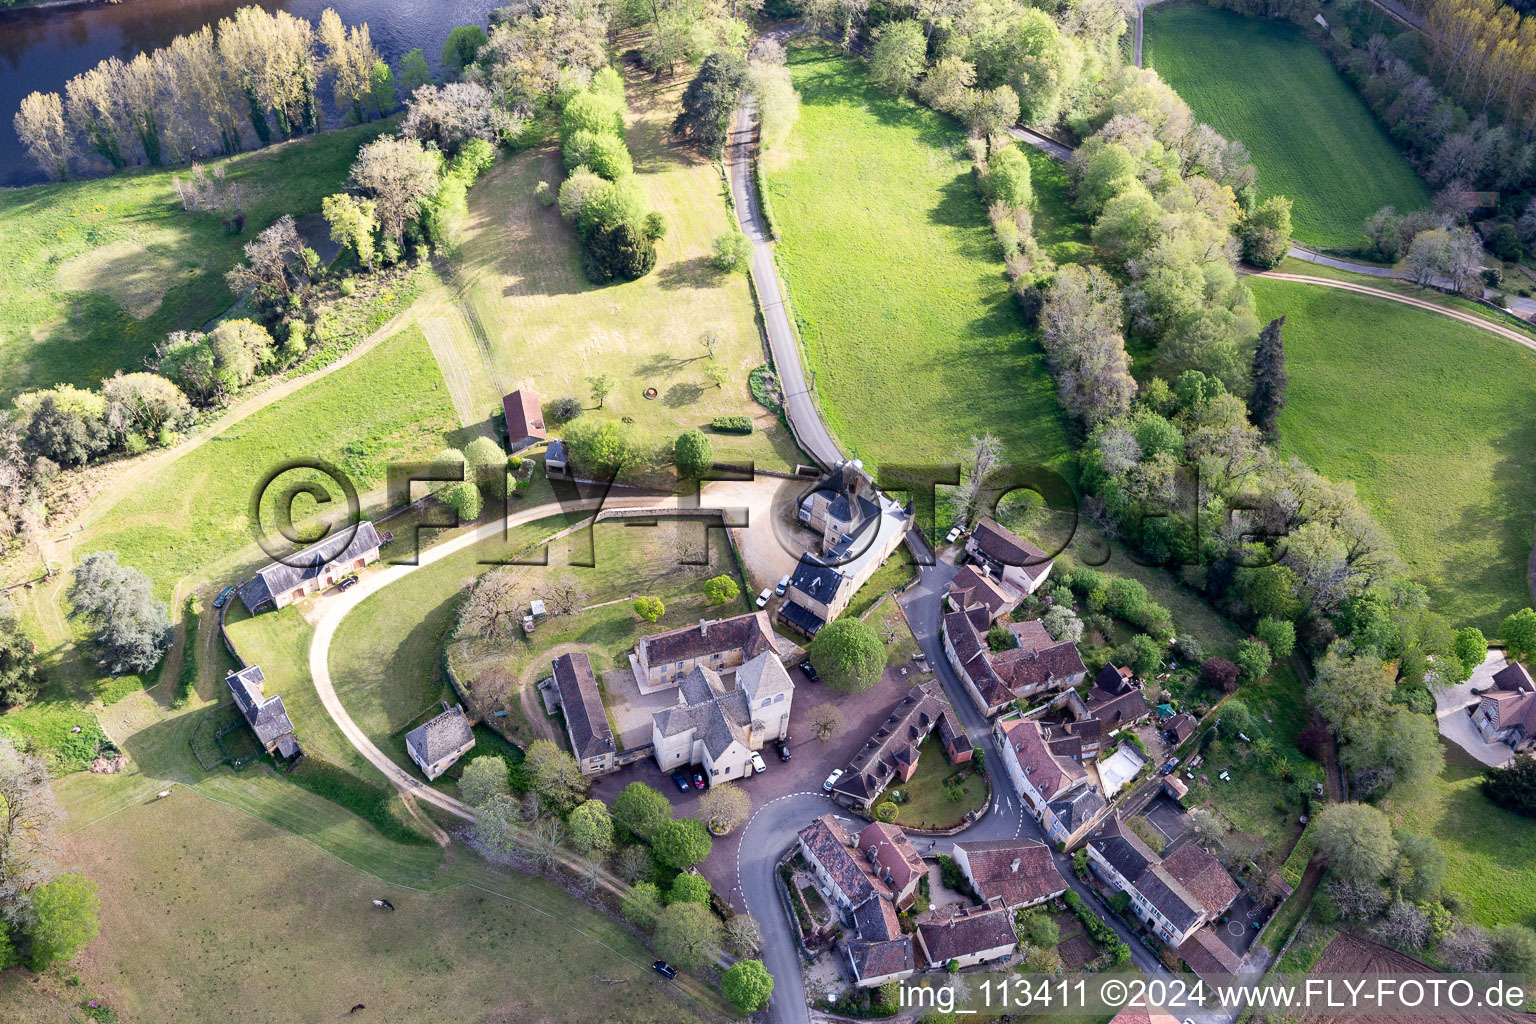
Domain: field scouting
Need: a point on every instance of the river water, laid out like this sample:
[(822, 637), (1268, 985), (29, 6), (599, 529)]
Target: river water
[(41, 49)]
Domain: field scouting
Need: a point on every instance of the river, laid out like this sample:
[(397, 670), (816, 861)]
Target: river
[(40, 49)]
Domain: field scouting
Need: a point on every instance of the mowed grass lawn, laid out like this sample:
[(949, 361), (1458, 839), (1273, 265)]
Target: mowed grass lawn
[(98, 272), (522, 313), (1432, 420), (1312, 138), (896, 282), (1491, 852), (250, 922), (388, 405)]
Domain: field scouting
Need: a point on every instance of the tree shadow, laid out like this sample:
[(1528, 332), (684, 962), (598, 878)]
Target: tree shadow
[(683, 393), (661, 364), (698, 272)]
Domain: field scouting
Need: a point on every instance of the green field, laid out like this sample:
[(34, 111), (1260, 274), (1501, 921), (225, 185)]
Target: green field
[(98, 272), (1432, 420), (1312, 138), (896, 282), (1491, 852)]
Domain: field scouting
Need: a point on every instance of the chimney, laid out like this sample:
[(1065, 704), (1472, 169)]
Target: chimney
[(703, 627), (1014, 866)]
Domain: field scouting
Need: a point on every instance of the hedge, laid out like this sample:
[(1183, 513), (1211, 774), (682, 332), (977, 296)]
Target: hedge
[(732, 424)]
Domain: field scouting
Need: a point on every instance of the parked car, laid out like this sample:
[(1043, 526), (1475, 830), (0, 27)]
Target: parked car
[(758, 764), (224, 596), (664, 969), (762, 599), (783, 748), (347, 583), (783, 585), (832, 780), (954, 533), (698, 778), (681, 778), (810, 672)]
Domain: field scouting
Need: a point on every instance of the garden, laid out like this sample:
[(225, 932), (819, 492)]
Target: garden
[(939, 795)]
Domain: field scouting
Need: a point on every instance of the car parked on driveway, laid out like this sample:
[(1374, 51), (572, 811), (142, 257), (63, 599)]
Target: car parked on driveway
[(681, 778), (783, 585), (810, 672), (347, 583), (832, 780), (664, 969), (758, 764), (698, 778), (783, 748), (224, 596), (762, 599)]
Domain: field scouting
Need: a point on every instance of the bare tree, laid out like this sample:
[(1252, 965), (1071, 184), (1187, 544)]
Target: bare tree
[(1467, 948), (562, 594), (633, 863), (743, 935), (267, 261), (543, 842), (980, 460), (725, 807), (826, 721), (1405, 925), (492, 607), (29, 819), (398, 174), (1207, 828), (43, 130)]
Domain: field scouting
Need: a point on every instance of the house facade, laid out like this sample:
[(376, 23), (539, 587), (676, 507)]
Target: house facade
[(1507, 711), (586, 723), (893, 858), (718, 728), (1007, 557), (892, 752), (968, 936), (720, 645), (525, 419), (441, 741), (1174, 895), (312, 569), (877, 950)]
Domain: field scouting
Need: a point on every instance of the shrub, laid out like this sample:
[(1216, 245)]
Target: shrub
[(650, 608), (464, 499), (692, 454), (545, 194), (731, 424), (563, 410), (885, 811), (577, 191), (605, 155), (1008, 179), (732, 252)]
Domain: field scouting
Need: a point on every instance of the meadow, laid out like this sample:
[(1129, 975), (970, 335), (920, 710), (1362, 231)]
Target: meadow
[(1491, 860), (98, 272), (895, 282), (1431, 421), (519, 312), (1312, 138)]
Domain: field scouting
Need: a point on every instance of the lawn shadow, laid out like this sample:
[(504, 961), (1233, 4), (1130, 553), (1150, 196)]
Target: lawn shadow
[(682, 393), (1506, 512), (661, 364), (698, 272)]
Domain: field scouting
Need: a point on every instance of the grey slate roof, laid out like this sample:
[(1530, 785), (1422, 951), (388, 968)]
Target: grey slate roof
[(749, 633), (582, 705), (1077, 809), (266, 716), (304, 565), (801, 618), (814, 579), (440, 736)]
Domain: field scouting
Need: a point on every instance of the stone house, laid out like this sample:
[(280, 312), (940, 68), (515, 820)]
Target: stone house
[(586, 723), (1173, 895), (968, 936), (1053, 786), (720, 645), (892, 752), (1507, 711), (719, 728), (894, 859), (1018, 872), (1007, 557), (995, 681), (441, 741), (525, 419), (877, 950), (313, 569), (266, 715)]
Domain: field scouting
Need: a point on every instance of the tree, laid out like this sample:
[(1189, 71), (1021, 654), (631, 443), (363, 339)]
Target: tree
[(979, 462), (1008, 178), (132, 630), (353, 223), (899, 56), (992, 111), (591, 829), (689, 888), (722, 589), (778, 105), (1234, 717), (1513, 787), (692, 454), (681, 843), (1467, 948), (1351, 690), (1514, 949), (601, 386), (143, 404), (725, 807), (641, 809), (449, 116), (486, 464), (717, 374), (732, 251), (399, 174), (462, 48), (650, 608), (413, 71), (1146, 655), (947, 86), (1403, 746), (641, 905), (710, 100), (1252, 658), (18, 668), (63, 916), (28, 827), (686, 935), (826, 721), (1080, 329), (268, 270), (65, 424), (849, 654), (1356, 841), (743, 936), (1218, 674), (556, 776), (1278, 635), (1266, 233), (1470, 647), (465, 500), (1267, 398), (483, 778), (747, 984), (1421, 867), (1208, 828), (1519, 635), (41, 126)]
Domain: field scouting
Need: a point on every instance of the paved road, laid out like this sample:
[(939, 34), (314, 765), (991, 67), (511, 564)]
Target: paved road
[(799, 402), (1141, 8)]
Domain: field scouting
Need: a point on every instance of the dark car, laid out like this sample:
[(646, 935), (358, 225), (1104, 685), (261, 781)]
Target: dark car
[(810, 672), (783, 748), (224, 596), (664, 969), (347, 583), (681, 778), (698, 778)]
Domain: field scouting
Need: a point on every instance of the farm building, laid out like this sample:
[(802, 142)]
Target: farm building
[(313, 569), (444, 739)]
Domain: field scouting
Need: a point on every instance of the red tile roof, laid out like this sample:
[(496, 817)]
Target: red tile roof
[(1206, 954), (525, 417), (1202, 876), (1048, 774), (1019, 871), (894, 852), (968, 930)]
